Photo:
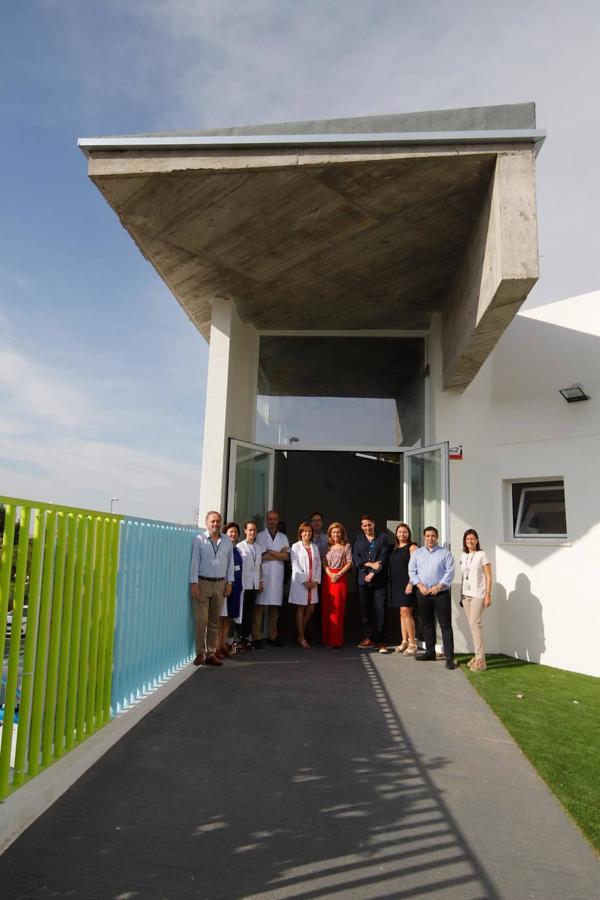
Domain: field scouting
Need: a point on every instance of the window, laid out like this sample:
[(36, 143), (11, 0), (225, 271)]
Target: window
[(341, 391), (538, 509)]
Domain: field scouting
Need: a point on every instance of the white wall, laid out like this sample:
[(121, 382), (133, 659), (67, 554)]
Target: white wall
[(513, 424), (230, 398)]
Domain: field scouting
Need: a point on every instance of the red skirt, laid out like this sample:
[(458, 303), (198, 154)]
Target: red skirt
[(333, 610)]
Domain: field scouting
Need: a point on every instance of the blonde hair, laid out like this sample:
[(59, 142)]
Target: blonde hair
[(304, 526), (342, 529)]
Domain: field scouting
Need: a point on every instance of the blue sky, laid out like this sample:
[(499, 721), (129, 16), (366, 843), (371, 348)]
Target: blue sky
[(101, 375)]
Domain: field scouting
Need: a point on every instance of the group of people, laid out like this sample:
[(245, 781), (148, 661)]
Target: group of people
[(242, 582)]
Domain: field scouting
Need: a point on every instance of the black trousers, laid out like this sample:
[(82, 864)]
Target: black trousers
[(432, 608), (372, 610), (249, 601)]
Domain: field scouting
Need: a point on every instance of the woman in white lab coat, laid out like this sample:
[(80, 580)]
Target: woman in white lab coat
[(306, 577)]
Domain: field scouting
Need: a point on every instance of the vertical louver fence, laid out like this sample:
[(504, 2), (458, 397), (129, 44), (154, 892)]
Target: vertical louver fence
[(95, 612)]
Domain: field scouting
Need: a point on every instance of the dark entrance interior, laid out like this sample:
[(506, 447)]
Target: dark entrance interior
[(343, 485)]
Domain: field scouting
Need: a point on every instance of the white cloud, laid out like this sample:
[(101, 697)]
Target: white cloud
[(35, 394), (77, 472), (50, 449)]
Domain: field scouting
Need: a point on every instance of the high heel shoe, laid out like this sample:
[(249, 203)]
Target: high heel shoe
[(411, 650), (402, 647)]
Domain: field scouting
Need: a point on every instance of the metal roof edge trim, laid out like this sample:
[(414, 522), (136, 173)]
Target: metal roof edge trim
[(215, 142)]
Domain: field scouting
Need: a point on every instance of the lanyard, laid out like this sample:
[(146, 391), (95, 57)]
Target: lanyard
[(215, 549), (470, 560), (252, 549)]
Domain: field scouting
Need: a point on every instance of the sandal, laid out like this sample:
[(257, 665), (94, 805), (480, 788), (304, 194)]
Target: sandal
[(479, 666), (303, 643), (402, 647), (411, 650)]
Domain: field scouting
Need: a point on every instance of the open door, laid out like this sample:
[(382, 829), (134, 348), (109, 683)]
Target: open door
[(250, 483), (426, 491)]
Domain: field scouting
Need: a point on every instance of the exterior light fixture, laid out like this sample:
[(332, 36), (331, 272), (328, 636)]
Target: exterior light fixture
[(574, 394), (113, 500), (294, 440)]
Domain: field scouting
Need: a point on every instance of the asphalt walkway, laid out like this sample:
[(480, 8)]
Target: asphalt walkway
[(308, 774)]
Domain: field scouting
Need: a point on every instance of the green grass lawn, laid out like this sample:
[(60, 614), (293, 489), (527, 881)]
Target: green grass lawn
[(554, 716)]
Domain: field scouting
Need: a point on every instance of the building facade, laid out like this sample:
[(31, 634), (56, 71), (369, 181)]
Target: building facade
[(359, 282)]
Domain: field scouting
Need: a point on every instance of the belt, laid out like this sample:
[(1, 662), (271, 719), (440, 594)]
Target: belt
[(206, 578)]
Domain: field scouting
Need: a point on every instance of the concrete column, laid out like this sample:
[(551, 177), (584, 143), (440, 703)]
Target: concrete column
[(498, 269), (230, 399)]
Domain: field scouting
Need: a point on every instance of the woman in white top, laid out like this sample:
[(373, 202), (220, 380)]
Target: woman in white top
[(252, 579), (306, 577), (476, 592)]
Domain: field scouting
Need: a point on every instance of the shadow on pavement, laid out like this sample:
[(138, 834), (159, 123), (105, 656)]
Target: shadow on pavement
[(285, 774)]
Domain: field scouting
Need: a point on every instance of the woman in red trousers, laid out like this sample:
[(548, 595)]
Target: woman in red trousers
[(334, 589)]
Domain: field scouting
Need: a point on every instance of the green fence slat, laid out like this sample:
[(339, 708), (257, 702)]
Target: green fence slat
[(55, 636), (12, 671), (88, 594), (6, 561), (112, 613), (29, 654), (82, 531), (39, 675), (65, 639), (95, 627), (102, 626)]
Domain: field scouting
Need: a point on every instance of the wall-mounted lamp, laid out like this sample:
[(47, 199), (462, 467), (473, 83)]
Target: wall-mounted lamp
[(574, 394), (294, 440)]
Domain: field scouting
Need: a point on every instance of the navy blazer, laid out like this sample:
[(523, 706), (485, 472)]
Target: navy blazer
[(362, 554)]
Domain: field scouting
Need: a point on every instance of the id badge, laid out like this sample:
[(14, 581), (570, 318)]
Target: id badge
[(215, 563)]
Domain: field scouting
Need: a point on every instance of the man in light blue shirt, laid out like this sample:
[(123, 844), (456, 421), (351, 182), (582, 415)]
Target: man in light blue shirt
[(211, 579), (431, 571)]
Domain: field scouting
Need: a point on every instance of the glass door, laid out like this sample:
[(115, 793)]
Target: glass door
[(250, 484), (426, 491)]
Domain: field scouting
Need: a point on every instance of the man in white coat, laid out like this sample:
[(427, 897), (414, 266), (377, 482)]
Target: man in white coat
[(276, 551)]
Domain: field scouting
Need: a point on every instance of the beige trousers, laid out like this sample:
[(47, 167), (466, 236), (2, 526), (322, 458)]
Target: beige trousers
[(257, 620), (207, 609), (474, 608)]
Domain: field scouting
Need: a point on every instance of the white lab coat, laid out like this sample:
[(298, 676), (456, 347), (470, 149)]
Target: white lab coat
[(300, 567), (251, 569), (273, 571)]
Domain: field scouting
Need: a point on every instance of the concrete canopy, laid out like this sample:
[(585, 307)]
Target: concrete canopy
[(359, 224)]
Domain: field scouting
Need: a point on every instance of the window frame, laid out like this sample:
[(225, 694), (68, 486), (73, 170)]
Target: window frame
[(532, 485)]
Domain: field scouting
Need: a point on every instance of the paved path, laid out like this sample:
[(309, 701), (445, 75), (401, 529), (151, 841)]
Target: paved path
[(309, 774)]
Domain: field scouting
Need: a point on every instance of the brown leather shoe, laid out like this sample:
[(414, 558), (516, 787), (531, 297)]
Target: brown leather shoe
[(219, 655), (213, 660), (366, 644), (199, 659)]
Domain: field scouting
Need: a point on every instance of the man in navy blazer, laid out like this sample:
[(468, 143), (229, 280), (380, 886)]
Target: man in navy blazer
[(370, 557)]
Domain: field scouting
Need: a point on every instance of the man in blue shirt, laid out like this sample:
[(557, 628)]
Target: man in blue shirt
[(370, 557), (431, 571), (211, 579)]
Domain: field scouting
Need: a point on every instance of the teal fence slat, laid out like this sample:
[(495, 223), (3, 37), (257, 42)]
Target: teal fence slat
[(154, 633)]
